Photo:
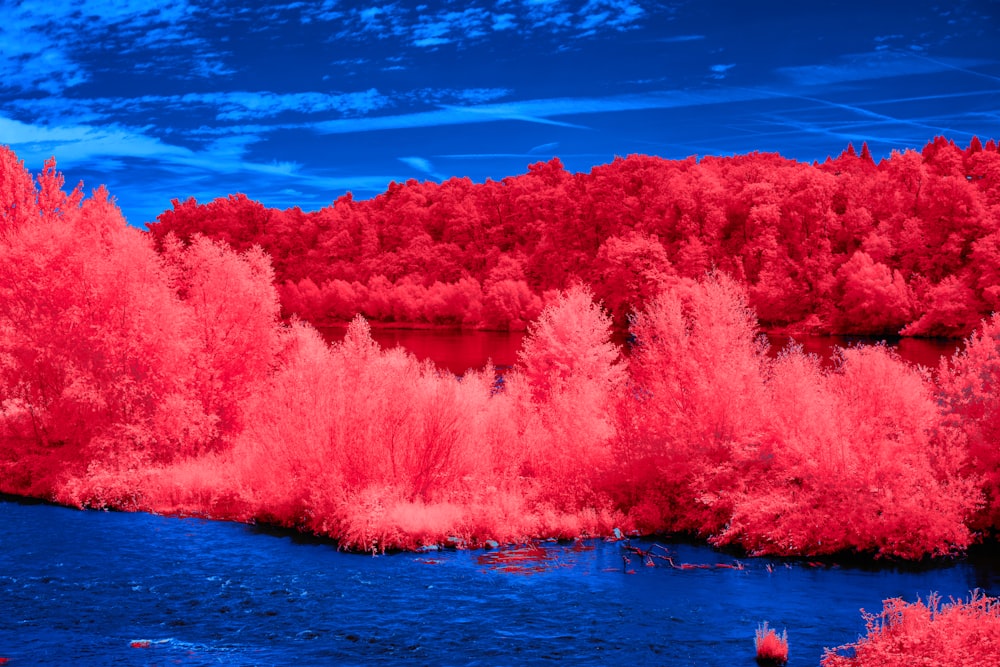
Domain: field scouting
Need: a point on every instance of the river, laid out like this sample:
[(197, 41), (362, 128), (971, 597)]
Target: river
[(459, 350), (105, 588)]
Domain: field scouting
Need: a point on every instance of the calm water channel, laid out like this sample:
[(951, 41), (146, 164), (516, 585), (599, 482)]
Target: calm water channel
[(98, 588), (458, 351)]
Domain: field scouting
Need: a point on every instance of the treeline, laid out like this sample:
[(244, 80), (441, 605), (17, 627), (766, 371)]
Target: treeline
[(167, 381), (911, 244)]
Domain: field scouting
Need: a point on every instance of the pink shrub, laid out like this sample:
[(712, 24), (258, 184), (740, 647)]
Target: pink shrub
[(574, 376), (959, 632), (771, 649), (970, 390), (694, 420), (860, 464), (356, 442)]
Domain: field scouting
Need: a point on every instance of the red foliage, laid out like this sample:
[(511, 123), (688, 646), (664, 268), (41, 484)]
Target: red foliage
[(969, 388), (848, 246), (693, 419), (771, 649), (857, 456), (874, 300), (959, 632), (132, 377)]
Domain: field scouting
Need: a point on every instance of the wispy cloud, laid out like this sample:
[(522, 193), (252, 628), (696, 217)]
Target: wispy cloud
[(109, 145), (76, 144), (544, 148), (422, 165), (45, 43), (681, 38), (257, 105), (544, 111), (222, 108), (422, 27), (719, 71), (868, 66)]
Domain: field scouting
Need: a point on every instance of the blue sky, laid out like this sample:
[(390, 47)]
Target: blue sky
[(295, 103)]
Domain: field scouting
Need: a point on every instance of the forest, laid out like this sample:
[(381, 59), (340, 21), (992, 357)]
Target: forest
[(909, 245), (157, 371)]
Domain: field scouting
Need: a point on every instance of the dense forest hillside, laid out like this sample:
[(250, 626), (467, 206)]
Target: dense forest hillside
[(910, 244)]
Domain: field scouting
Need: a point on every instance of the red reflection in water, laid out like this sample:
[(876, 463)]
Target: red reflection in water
[(922, 351), (531, 558), (453, 350), (459, 350), (527, 559)]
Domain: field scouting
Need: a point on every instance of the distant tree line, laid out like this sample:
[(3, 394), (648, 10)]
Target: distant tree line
[(909, 245)]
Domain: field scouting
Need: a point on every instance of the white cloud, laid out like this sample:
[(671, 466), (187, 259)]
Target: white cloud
[(423, 165), (424, 28), (719, 71), (44, 44), (867, 66)]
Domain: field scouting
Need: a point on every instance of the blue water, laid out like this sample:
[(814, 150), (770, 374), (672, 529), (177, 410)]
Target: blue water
[(79, 588)]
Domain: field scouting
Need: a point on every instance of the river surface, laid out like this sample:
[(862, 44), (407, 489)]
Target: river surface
[(104, 588), (458, 350)]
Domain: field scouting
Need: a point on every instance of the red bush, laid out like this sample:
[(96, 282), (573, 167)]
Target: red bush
[(693, 419), (969, 388), (771, 649), (956, 633)]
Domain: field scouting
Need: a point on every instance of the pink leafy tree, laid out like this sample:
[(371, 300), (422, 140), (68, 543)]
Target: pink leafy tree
[(693, 421), (970, 390), (860, 463), (574, 374), (93, 342)]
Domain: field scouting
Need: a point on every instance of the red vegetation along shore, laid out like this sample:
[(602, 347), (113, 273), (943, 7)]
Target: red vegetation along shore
[(163, 378), (910, 244), (958, 633), (158, 375)]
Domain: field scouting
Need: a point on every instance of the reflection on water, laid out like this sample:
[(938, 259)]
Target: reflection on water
[(459, 350), (99, 588), (922, 351), (454, 350)]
